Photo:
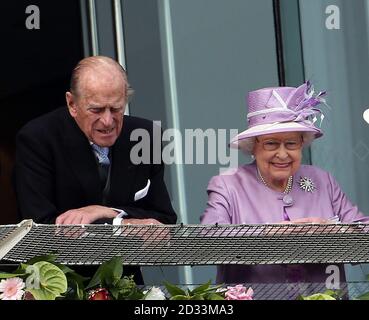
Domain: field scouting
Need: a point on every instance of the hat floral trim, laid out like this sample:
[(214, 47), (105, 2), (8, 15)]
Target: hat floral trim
[(307, 105)]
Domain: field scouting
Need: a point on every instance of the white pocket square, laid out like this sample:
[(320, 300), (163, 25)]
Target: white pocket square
[(142, 193)]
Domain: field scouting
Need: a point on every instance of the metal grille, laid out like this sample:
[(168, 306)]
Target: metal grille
[(6, 230), (197, 244)]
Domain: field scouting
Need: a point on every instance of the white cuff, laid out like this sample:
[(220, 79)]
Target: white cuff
[(119, 218)]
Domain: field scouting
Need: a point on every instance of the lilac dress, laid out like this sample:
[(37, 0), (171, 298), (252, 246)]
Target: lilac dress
[(241, 198)]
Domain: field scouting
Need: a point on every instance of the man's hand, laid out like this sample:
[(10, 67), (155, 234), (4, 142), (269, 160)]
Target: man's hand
[(146, 233), (140, 221), (86, 215)]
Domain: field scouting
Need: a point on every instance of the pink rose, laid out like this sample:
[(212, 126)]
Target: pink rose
[(239, 292)]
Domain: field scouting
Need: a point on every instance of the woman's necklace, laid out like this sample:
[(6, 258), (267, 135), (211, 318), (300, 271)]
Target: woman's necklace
[(287, 198)]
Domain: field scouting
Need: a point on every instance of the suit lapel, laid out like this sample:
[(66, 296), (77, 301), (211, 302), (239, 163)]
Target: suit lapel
[(122, 171), (81, 159)]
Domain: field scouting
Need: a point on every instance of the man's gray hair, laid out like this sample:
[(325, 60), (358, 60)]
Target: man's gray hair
[(91, 63)]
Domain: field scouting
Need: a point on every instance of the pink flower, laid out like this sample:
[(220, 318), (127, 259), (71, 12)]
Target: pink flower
[(12, 289), (239, 293)]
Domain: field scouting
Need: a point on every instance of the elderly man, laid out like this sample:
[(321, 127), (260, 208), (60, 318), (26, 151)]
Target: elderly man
[(62, 175), (73, 164)]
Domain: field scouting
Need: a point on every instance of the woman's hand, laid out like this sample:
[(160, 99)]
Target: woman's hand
[(308, 220), (298, 226)]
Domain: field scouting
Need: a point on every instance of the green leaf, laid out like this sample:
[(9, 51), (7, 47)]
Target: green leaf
[(11, 275), (22, 268), (75, 282), (80, 292), (108, 273), (330, 292), (318, 296), (135, 295), (115, 293), (71, 274), (180, 297), (174, 290), (95, 281), (337, 294), (202, 288), (112, 271), (48, 280), (75, 276), (126, 289), (326, 295), (213, 288), (46, 258), (197, 297), (126, 283), (364, 296)]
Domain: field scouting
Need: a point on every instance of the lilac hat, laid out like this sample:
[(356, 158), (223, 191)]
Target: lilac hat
[(281, 109)]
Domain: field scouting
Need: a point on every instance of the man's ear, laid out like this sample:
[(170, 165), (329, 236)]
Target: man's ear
[(71, 104)]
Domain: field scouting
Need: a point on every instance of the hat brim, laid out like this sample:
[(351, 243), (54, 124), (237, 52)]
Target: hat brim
[(273, 128)]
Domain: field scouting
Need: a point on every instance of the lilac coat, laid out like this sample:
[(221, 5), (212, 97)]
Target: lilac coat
[(241, 198)]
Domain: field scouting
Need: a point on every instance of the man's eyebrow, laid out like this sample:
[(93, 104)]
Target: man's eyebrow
[(90, 106), (96, 106)]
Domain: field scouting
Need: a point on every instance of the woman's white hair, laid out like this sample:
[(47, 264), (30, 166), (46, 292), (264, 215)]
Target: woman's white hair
[(247, 145)]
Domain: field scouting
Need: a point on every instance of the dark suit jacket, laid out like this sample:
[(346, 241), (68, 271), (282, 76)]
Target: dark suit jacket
[(56, 170)]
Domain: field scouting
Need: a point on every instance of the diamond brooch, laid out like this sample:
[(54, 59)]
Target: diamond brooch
[(307, 184)]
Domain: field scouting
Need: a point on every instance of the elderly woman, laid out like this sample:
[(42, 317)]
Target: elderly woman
[(276, 187)]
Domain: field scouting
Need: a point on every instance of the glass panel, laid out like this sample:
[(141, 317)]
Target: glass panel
[(191, 63), (335, 49)]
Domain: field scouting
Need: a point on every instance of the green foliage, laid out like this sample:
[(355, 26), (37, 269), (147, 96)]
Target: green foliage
[(326, 295), (109, 276), (126, 289), (48, 258), (318, 296), (4, 275), (202, 292), (48, 281), (108, 273), (364, 296)]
